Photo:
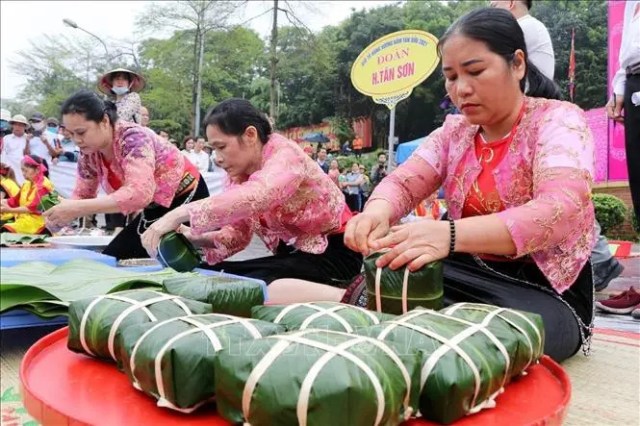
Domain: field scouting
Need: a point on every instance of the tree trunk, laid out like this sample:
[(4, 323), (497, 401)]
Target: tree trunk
[(194, 84), (273, 63)]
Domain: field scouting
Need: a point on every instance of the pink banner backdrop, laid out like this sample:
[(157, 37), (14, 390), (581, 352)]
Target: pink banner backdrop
[(617, 159), (599, 125)]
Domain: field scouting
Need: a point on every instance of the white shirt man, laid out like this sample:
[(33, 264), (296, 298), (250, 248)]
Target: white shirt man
[(536, 35), (13, 145), (199, 157)]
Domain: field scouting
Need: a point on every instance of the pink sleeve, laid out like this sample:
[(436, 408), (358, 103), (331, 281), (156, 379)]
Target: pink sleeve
[(413, 181), (139, 165), (87, 179), (270, 186), (561, 211), (226, 242)]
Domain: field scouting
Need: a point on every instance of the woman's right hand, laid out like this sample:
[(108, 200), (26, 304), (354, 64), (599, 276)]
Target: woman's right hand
[(365, 228)]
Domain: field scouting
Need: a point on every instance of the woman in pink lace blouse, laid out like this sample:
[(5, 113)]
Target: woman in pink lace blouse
[(516, 171), (275, 191), (141, 173)]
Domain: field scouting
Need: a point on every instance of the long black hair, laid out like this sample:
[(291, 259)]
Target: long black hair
[(234, 115), (89, 104), (500, 31)]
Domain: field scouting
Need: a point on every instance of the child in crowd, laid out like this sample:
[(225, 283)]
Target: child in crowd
[(24, 204)]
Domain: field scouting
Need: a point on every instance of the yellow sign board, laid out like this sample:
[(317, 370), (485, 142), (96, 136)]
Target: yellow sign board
[(390, 67)]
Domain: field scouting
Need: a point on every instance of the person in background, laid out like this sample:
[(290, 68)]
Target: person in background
[(54, 138), (379, 170), (351, 187), (5, 127), (536, 35), (144, 116), (8, 188), (198, 156), (273, 190), (123, 84), (357, 146), (626, 96), (365, 188), (164, 135), (38, 142), (322, 160), (24, 204), (517, 172), (69, 150), (139, 171), (334, 172), (187, 144), (13, 144)]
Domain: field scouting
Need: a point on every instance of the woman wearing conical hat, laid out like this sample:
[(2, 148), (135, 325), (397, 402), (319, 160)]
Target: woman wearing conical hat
[(124, 85)]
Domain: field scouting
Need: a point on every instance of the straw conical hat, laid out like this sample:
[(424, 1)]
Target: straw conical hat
[(104, 85)]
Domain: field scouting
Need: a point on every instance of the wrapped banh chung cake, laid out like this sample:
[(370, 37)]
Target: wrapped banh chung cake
[(316, 377), (467, 356), (94, 323), (226, 295), (319, 315), (398, 291), (172, 360)]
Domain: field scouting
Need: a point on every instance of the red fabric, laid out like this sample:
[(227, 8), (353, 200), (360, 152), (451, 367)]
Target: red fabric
[(483, 197), (347, 214), (112, 178)]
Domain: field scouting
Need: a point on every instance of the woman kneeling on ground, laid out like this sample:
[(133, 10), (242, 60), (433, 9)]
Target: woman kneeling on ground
[(140, 172), (279, 193)]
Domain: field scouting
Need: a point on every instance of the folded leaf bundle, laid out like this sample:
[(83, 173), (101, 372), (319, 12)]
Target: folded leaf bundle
[(465, 362), (232, 296), (319, 315), (95, 322), (399, 291), (172, 360), (315, 377)]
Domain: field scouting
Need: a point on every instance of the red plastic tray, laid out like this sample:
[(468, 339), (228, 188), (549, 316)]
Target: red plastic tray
[(60, 387)]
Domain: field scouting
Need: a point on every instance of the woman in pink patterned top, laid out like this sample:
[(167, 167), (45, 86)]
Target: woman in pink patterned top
[(140, 172), (517, 173), (274, 190)]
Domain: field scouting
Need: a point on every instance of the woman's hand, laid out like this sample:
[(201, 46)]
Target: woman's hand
[(416, 243), (151, 237), (363, 229), (64, 212)]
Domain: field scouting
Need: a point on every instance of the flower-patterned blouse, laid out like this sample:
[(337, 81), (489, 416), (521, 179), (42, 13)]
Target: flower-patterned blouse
[(148, 168), (290, 199), (129, 107), (544, 183)]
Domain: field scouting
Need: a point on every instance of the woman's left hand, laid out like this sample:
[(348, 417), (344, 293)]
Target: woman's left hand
[(63, 213), (151, 237), (416, 243)]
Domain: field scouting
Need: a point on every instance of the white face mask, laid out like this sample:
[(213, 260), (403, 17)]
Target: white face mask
[(120, 90), (38, 126)]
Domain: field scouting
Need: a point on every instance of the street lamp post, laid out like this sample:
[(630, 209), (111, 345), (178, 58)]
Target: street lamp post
[(72, 24)]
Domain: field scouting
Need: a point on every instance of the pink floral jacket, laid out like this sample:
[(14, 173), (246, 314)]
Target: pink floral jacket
[(290, 199), (544, 183), (149, 168)]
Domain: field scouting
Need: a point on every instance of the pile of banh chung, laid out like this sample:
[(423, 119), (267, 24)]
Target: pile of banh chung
[(199, 340)]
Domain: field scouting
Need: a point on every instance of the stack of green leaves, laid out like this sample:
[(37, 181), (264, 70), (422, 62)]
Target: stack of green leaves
[(464, 363), (316, 377), (46, 289), (172, 360), (8, 238), (319, 315), (398, 291), (95, 322), (227, 295)]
